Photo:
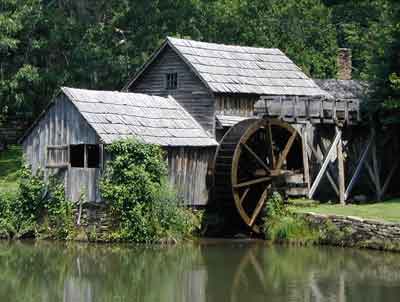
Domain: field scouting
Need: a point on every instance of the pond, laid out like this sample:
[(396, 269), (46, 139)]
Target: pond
[(214, 270)]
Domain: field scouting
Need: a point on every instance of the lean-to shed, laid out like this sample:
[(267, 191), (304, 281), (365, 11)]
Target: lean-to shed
[(68, 139)]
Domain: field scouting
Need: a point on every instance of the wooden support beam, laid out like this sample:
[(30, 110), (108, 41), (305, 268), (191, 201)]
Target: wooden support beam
[(324, 151), (328, 174), (324, 165), (376, 170), (389, 177), (360, 164), (305, 158), (371, 176), (340, 159)]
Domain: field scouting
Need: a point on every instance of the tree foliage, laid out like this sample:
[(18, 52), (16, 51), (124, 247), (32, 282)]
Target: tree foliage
[(99, 44)]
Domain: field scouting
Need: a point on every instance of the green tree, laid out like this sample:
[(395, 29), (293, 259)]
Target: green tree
[(301, 29), (385, 97), (364, 27)]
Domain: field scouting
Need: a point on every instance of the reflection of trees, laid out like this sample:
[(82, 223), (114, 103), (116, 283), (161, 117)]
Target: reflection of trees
[(315, 274), (56, 272)]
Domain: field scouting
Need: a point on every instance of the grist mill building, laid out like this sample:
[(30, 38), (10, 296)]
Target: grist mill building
[(236, 123)]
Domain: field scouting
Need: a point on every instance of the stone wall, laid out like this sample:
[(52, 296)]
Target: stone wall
[(355, 231), (94, 220)]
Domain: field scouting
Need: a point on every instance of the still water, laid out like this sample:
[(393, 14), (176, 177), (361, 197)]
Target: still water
[(211, 271)]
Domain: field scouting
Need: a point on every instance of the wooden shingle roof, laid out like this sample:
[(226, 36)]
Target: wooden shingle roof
[(238, 69), (150, 119), (344, 89)]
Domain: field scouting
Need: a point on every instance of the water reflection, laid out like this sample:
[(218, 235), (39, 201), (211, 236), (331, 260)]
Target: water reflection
[(49, 271)]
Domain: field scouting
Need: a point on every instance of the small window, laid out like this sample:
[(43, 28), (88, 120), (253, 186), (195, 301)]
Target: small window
[(93, 156), (172, 80), (77, 156)]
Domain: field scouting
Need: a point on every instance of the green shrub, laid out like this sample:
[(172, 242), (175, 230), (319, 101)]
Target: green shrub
[(59, 216), (281, 225), (37, 209), (136, 187)]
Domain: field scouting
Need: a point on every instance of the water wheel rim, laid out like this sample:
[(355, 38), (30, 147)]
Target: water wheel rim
[(239, 199)]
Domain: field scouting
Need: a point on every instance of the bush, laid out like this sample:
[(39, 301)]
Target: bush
[(136, 187), (281, 225), (37, 209)]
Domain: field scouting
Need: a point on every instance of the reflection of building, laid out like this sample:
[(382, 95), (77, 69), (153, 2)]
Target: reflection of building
[(77, 289), (194, 285)]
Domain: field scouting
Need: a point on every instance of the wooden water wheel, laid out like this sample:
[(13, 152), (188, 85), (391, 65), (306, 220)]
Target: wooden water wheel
[(255, 158)]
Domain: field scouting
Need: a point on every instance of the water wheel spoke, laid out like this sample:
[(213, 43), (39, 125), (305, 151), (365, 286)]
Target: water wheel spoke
[(258, 208), (259, 160), (286, 150), (258, 269), (251, 182), (271, 146), (244, 195)]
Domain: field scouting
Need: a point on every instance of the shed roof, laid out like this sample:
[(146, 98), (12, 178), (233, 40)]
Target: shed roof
[(344, 89), (238, 69), (229, 120), (151, 119)]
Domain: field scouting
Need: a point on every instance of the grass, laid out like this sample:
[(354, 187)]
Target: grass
[(386, 211), (10, 163)]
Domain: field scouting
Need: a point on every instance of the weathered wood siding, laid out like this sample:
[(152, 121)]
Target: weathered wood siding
[(62, 124), (187, 170), (191, 93), (240, 105)]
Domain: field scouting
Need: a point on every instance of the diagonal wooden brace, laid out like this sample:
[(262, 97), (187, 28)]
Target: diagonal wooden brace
[(327, 159)]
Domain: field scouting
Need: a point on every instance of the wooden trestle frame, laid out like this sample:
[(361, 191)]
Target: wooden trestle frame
[(368, 158), (335, 153), (252, 161)]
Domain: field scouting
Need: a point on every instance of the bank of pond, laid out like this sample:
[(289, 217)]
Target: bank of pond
[(141, 207)]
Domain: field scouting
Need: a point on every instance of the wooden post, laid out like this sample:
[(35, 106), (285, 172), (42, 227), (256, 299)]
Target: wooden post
[(305, 158), (341, 181), (376, 169)]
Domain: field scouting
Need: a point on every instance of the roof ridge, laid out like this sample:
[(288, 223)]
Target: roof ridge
[(170, 38)]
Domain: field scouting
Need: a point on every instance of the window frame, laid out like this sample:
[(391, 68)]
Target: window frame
[(99, 148), (50, 159), (171, 81)]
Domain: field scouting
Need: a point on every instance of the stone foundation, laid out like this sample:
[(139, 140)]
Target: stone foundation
[(355, 231), (94, 220)]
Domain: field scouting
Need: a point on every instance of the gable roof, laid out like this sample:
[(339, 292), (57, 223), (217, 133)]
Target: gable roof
[(150, 119), (344, 89), (237, 69)]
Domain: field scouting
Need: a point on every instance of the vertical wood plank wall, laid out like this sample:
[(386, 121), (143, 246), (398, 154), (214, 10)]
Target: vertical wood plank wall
[(240, 105), (62, 124), (191, 93), (187, 170)]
